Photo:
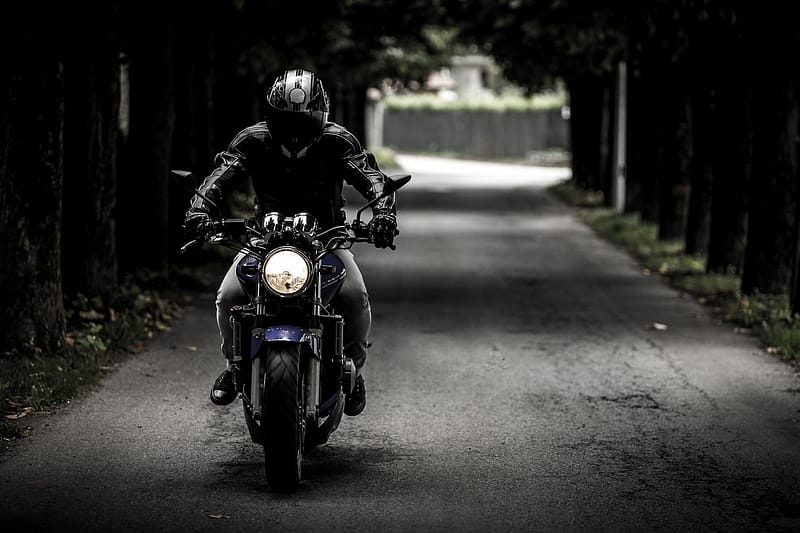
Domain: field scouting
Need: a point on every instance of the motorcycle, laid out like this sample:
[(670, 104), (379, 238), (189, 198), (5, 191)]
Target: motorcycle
[(289, 366)]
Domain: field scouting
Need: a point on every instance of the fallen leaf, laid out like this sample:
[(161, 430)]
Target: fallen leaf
[(17, 416), (773, 349), (70, 341), (104, 368), (138, 346), (192, 348), (741, 330), (218, 516), (658, 326)]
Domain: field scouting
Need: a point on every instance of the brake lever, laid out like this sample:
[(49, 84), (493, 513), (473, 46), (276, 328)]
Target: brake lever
[(189, 245)]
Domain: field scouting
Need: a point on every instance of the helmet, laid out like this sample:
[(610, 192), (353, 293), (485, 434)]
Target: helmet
[(297, 110)]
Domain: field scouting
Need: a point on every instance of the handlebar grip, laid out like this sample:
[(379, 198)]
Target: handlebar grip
[(361, 232)]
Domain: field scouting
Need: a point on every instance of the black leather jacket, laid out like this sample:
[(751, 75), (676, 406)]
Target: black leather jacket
[(312, 183)]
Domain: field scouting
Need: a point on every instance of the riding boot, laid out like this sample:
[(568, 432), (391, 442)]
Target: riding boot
[(223, 391)]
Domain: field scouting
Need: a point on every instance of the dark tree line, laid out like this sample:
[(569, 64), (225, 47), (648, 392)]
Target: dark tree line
[(712, 115), (96, 105), (98, 101), (31, 170)]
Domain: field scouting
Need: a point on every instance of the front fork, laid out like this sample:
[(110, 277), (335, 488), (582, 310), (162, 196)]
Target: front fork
[(312, 337)]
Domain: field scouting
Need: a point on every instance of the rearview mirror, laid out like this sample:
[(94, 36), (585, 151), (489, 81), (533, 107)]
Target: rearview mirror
[(390, 186), (394, 183)]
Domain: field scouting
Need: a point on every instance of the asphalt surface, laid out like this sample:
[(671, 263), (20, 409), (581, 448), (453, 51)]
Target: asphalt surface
[(515, 384)]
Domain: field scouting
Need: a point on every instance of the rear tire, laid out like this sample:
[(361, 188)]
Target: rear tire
[(283, 423)]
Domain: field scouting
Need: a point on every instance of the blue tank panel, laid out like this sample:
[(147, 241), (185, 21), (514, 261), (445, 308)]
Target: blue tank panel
[(247, 271), (332, 282)]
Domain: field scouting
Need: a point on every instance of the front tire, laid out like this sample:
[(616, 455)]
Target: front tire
[(283, 423)]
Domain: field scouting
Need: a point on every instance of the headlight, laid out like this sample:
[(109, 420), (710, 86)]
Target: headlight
[(286, 271)]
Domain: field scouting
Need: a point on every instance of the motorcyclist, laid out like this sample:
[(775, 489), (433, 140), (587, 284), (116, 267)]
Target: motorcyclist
[(297, 161)]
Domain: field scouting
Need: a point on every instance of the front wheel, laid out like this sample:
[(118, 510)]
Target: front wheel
[(283, 423)]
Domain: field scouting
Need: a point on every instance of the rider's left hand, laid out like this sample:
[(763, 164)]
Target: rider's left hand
[(383, 228), (196, 223)]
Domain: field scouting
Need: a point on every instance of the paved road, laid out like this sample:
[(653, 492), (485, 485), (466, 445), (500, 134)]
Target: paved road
[(513, 386)]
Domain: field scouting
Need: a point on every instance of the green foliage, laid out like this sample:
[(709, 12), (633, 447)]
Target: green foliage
[(758, 309), (548, 100), (98, 335), (708, 286), (385, 157), (349, 42), (627, 230), (538, 41), (640, 239), (45, 382), (136, 314), (572, 195), (783, 337), (770, 317)]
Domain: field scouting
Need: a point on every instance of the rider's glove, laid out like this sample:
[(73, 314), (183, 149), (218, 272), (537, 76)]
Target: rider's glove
[(383, 228), (196, 223)]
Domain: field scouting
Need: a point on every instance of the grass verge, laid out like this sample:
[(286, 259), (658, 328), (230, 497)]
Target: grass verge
[(768, 317), (385, 157), (100, 335)]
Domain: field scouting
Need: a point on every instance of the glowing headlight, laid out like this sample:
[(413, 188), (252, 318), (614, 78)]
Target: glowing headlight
[(286, 271)]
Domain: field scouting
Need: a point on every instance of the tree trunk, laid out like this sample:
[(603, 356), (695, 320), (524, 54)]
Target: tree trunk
[(698, 221), (794, 296), (769, 259), (634, 164), (771, 238), (91, 123), (143, 187), (586, 125), (675, 147), (644, 143), (31, 125), (607, 140), (731, 145)]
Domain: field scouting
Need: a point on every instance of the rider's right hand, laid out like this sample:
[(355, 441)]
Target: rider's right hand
[(196, 223)]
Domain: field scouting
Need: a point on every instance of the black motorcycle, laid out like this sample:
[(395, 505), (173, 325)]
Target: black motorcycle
[(288, 361)]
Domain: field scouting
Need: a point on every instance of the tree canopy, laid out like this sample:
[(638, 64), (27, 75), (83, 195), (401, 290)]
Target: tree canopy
[(712, 118)]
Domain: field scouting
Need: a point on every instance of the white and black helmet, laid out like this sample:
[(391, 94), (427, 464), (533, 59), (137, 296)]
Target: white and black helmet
[(297, 110)]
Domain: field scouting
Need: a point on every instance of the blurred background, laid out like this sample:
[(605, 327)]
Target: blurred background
[(685, 113)]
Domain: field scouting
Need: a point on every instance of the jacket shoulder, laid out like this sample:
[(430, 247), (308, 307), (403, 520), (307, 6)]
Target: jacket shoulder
[(257, 133), (339, 138)]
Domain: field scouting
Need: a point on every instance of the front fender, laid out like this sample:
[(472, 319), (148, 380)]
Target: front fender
[(294, 334)]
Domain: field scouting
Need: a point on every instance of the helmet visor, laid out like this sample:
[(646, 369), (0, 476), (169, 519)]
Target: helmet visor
[(295, 130)]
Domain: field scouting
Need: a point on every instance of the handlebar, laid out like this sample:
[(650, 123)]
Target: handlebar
[(354, 232), (357, 231), (229, 227)]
